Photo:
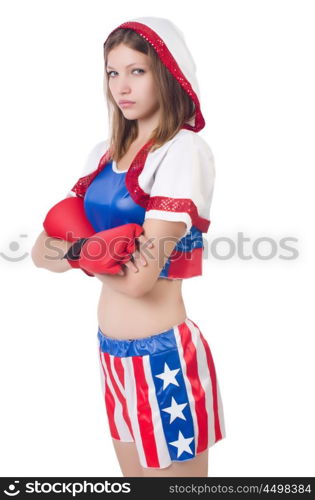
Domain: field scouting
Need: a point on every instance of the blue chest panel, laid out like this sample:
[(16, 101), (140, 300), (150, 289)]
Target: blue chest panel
[(108, 203)]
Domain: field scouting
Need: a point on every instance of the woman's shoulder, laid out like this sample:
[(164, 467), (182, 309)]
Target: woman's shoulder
[(185, 141), (188, 140), (186, 151), (90, 163), (93, 156)]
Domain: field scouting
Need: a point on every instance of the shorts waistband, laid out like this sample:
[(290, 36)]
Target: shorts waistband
[(152, 344)]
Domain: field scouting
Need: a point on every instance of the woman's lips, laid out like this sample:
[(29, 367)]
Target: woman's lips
[(126, 104)]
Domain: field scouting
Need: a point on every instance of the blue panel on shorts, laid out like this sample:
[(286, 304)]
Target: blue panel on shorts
[(172, 394)]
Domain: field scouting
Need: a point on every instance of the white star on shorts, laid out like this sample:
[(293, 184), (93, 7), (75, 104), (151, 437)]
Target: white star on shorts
[(182, 444), (175, 410), (168, 376)]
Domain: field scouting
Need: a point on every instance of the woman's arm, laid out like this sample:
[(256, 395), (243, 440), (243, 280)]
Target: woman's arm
[(164, 236), (47, 253)]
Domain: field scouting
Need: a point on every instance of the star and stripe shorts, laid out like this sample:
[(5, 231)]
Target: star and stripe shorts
[(162, 393)]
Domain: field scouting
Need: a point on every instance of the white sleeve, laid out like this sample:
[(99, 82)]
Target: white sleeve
[(91, 161), (183, 184)]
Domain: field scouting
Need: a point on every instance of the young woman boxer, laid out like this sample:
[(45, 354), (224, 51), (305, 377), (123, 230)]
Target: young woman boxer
[(150, 182)]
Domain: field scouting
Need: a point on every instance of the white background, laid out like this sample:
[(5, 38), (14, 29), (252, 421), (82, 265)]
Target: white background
[(255, 65)]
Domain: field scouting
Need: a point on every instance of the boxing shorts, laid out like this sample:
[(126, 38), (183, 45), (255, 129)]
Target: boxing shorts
[(162, 393)]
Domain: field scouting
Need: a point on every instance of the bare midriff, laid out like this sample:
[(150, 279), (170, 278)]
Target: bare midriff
[(123, 317)]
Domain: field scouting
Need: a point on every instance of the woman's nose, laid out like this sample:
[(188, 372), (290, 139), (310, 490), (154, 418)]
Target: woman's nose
[(123, 84), (124, 89)]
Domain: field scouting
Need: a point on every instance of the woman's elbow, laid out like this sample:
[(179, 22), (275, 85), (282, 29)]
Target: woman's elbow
[(137, 292), (140, 289), (35, 258)]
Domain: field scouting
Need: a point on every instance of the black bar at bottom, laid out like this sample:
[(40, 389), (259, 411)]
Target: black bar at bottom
[(166, 487)]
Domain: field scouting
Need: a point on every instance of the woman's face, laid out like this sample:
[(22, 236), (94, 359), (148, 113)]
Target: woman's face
[(130, 78)]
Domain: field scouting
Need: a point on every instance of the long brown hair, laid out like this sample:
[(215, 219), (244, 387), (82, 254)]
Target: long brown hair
[(175, 104)]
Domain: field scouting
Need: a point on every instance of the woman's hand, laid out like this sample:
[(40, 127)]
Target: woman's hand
[(138, 257)]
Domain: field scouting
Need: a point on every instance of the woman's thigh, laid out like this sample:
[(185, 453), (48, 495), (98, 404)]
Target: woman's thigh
[(195, 467), (128, 458)]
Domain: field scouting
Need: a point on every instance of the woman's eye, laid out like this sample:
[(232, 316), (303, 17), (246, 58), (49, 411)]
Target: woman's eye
[(136, 69)]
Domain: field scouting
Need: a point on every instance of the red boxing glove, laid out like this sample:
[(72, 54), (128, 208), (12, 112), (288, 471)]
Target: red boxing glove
[(67, 220), (105, 251)]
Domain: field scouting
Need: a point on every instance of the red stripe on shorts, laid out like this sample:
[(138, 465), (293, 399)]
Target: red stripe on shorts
[(119, 395), (190, 356), (211, 367), (110, 405), (145, 414)]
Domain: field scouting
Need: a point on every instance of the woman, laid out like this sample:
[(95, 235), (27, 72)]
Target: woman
[(158, 377)]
